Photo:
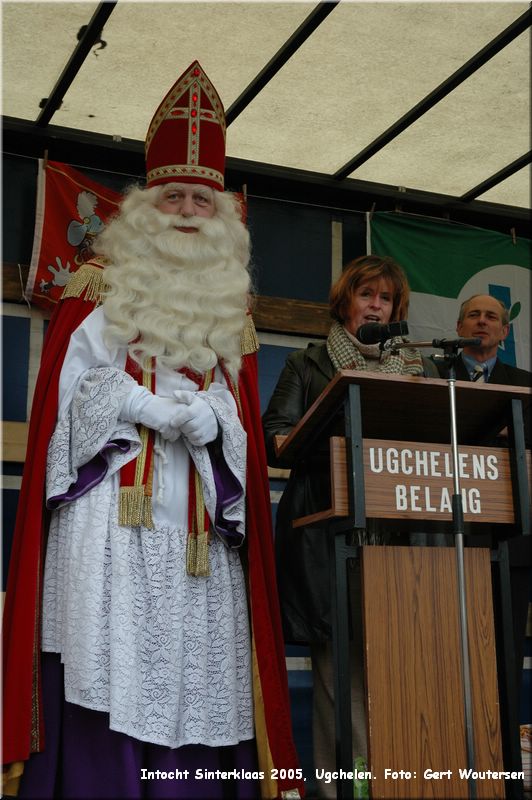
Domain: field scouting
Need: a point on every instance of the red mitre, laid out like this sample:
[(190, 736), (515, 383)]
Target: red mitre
[(186, 138)]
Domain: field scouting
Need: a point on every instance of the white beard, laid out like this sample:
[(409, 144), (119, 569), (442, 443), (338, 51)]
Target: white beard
[(183, 296)]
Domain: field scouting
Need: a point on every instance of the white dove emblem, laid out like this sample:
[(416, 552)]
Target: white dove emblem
[(90, 224)]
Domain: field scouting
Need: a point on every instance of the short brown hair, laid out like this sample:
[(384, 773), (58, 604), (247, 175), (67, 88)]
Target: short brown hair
[(363, 270), (505, 314)]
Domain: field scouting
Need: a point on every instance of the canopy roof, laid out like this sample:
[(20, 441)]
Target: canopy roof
[(429, 96)]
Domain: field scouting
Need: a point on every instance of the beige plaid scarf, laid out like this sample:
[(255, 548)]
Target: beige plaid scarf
[(348, 353)]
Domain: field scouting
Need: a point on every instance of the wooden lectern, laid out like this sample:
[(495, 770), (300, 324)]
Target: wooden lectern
[(395, 465)]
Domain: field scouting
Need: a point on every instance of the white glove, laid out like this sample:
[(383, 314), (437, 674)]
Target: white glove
[(158, 413), (196, 419)]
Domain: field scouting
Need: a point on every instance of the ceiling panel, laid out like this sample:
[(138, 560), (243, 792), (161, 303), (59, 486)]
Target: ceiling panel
[(150, 44), (364, 67), (471, 134), (514, 191), (37, 40)]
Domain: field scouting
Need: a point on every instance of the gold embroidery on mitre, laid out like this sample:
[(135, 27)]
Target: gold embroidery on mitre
[(187, 170), (167, 106)]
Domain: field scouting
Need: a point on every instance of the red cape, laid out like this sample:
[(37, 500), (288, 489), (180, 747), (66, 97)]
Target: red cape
[(23, 724)]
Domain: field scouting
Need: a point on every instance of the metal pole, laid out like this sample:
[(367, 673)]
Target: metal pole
[(458, 528)]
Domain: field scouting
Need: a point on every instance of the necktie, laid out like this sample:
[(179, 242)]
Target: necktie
[(479, 376)]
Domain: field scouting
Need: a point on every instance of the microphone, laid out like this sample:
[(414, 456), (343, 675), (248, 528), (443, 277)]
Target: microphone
[(455, 343), (375, 332)]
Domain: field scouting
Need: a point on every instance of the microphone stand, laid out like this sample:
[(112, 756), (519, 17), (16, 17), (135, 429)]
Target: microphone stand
[(450, 354)]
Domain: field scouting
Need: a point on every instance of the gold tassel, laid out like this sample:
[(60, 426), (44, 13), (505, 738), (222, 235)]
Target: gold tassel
[(11, 775), (202, 555), (135, 508), (198, 555), (147, 519), (249, 342), (192, 549), (89, 279), (198, 538)]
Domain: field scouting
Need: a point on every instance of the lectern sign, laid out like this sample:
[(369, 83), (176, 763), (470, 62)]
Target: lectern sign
[(409, 479), (414, 480)]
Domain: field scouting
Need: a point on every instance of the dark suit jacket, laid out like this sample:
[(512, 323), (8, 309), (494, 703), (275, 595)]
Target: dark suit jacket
[(501, 373)]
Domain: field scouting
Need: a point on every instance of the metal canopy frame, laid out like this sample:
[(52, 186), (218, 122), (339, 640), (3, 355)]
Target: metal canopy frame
[(499, 176), (307, 27), (99, 151), (441, 91), (90, 37)]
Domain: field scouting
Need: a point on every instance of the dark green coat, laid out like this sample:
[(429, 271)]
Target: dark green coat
[(302, 553)]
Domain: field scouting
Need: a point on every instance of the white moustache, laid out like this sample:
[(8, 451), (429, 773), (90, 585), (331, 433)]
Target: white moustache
[(177, 221), (210, 230), (151, 221)]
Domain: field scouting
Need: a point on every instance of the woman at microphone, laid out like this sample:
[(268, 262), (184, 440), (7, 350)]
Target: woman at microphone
[(366, 304)]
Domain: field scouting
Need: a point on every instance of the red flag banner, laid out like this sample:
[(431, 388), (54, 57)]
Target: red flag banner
[(71, 211)]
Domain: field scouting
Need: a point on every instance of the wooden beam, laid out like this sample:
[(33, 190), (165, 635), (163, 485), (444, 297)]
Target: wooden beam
[(278, 474), (14, 279), (273, 314), (15, 441), (282, 315)]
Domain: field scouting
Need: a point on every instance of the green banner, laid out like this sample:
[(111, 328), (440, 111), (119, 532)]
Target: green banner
[(448, 262)]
